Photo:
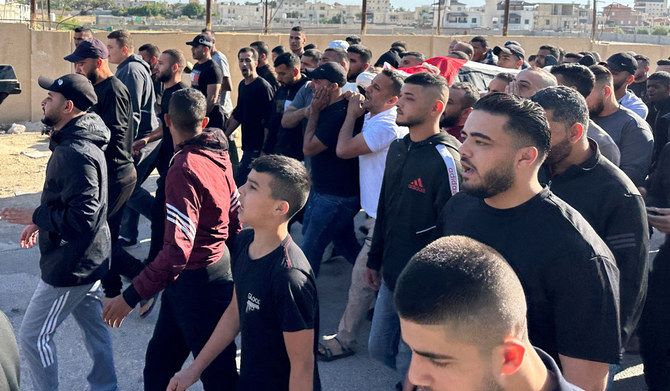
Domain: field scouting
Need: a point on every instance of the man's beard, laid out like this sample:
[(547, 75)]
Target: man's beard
[(92, 75), (411, 121), (493, 182), (165, 76), (49, 120), (559, 152), (619, 84), (597, 109), (447, 122)]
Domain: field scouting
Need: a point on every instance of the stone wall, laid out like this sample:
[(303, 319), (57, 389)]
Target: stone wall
[(35, 53)]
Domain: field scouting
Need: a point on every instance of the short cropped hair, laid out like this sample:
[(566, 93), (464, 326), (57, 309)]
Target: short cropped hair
[(187, 109), (176, 57), (83, 30), (466, 48), (362, 51), (602, 74), (279, 49), (576, 56), (526, 120), (248, 49), (505, 76), (288, 59), (467, 286), (471, 94), (401, 45), (297, 28), (553, 50), (576, 75), (419, 56), (397, 80), (436, 83), (353, 39), (313, 54), (123, 38), (642, 58), (151, 49), (569, 106), (458, 54), (340, 53), (663, 62), (481, 40), (261, 48), (662, 76), (290, 180)]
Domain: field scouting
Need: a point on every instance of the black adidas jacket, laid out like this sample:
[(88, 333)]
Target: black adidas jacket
[(72, 217), (419, 179)]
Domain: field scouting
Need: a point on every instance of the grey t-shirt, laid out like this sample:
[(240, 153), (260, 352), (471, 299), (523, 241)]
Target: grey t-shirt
[(608, 147), (224, 98), (635, 141)]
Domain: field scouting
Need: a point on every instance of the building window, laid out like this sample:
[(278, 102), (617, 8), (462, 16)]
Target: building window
[(547, 22), (474, 20), (527, 21)]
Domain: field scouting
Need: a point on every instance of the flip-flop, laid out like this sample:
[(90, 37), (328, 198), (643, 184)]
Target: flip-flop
[(146, 306), (325, 354)]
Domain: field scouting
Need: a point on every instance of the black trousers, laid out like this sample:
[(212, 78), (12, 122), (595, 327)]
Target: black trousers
[(654, 327), (191, 307), (157, 219)]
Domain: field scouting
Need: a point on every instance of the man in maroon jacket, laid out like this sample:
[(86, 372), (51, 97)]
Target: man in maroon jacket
[(194, 265)]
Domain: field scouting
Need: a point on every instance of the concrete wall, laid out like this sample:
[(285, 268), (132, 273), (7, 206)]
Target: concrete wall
[(35, 53)]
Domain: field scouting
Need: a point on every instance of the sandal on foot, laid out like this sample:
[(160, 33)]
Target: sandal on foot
[(328, 350), (146, 306)]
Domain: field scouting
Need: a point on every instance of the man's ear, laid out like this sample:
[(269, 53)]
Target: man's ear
[(465, 113), (281, 208), (168, 120), (296, 71), (510, 356), (527, 156), (98, 63), (205, 121), (575, 132), (439, 106)]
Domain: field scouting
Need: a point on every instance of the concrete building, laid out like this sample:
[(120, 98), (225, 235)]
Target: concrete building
[(557, 17), (653, 8), (14, 12), (521, 15), (620, 15), (460, 16)]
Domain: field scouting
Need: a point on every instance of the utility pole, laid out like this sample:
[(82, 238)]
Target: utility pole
[(506, 18), (364, 17), (439, 16), (49, 13), (208, 14), (595, 23), (33, 14), (265, 27)]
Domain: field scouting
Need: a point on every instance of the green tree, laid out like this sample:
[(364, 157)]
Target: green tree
[(618, 30), (193, 10), (643, 31), (659, 30)]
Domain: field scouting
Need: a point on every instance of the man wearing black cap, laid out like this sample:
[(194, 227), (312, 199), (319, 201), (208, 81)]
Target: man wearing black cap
[(252, 112), (510, 56), (333, 199), (74, 237), (206, 77), (623, 67)]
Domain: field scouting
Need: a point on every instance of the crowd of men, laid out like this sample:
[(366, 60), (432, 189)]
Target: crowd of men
[(506, 231)]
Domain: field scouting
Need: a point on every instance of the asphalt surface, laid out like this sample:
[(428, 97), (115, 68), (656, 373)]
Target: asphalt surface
[(19, 274)]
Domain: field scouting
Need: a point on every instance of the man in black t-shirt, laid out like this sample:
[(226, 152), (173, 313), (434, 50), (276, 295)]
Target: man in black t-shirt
[(275, 305), (206, 77), (265, 69), (333, 200), (253, 111), (281, 140), (568, 274)]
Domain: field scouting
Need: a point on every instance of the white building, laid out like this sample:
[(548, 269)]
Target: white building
[(13, 12), (521, 15), (653, 8)]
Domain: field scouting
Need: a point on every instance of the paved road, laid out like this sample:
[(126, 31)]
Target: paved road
[(19, 273)]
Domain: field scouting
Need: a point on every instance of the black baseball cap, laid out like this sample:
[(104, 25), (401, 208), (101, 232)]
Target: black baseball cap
[(511, 49), (88, 48), (201, 39), (333, 72), (622, 62), (74, 87)]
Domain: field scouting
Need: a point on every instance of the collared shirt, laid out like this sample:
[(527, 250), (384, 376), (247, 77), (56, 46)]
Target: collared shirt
[(379, 131), (634, 104)]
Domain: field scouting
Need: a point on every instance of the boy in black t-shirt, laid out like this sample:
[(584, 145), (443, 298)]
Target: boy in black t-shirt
[(275, 305)]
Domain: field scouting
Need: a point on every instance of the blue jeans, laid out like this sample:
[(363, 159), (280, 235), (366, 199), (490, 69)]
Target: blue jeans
[(385, 344), (329, 218), (48, 307)]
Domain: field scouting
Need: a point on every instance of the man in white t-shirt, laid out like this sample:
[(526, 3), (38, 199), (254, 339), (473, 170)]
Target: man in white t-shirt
[(221, 60), (370, 146)]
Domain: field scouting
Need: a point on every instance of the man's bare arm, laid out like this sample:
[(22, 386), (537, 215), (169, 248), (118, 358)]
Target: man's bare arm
[(300, 350), (213, 91), (589, 375), (292, 116)]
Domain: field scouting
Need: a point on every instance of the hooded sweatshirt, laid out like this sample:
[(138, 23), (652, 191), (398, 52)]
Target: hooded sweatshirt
[(136, 75), (74, 237), (201, 202)]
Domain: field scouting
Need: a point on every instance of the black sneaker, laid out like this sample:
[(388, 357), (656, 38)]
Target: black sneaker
[(127, 243)]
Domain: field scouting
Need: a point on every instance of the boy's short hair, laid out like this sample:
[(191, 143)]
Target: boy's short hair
[(123, 38), (290, 180)]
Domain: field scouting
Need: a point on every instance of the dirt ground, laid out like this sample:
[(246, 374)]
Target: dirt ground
[(20, 173)]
